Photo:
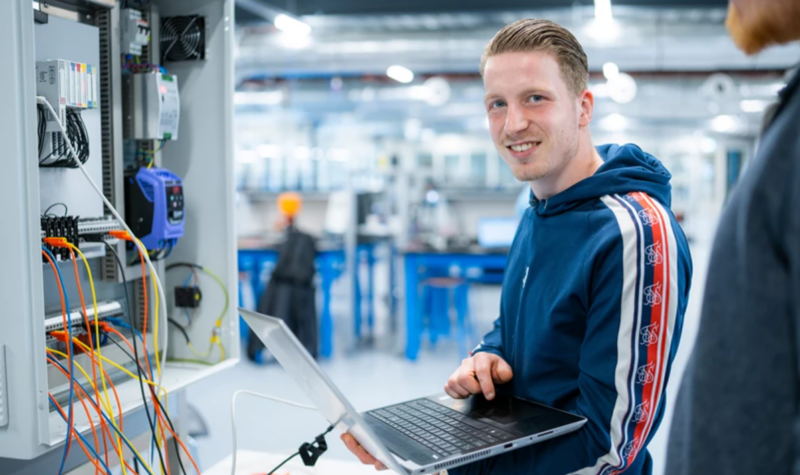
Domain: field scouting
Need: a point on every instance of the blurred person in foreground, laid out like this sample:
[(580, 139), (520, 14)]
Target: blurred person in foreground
[(737, 410), (598, 275)]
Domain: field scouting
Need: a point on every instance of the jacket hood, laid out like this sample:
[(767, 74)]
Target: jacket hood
[(626, 169)]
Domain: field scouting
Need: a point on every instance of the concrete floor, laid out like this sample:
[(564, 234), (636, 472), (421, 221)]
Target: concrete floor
[(372, 378)]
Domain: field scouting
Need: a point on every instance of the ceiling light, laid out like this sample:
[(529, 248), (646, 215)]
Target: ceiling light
[(291, 25), (610, 70), (725, 124), (753, 105), (622, 88), (614, 122), (602, 10), (400, 73)]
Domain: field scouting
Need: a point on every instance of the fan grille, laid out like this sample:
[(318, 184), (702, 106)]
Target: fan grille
[(183, 38)]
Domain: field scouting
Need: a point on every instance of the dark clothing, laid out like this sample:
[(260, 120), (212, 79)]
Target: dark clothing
[(291, 294), (593, 299), (737, 411)]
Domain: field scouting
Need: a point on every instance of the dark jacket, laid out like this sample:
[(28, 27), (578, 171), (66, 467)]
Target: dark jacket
[(737, 410), (291, 294), (591, 313)]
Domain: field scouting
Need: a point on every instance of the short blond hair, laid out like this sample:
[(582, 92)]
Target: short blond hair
[(543, 35)]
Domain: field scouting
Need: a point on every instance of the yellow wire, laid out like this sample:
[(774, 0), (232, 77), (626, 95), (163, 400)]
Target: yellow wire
[(215, 339), (108, 408), (121, 368), (97, 338), (159, 433)]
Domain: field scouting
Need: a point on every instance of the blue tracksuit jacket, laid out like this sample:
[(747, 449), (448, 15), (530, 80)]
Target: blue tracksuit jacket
[(591, 314)]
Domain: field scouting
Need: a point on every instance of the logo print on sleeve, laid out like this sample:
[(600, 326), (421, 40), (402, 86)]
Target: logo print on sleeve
[(642, 412), (649, 334), (652, 295), (653, 254), (634, 197), (631, 448), (649, 216), (645, 374)]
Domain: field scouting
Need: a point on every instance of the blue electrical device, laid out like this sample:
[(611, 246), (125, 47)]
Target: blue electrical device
[(154, 207)]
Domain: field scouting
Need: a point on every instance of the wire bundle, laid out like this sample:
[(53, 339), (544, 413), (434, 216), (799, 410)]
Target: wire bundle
[(60, 157), (160, 424)]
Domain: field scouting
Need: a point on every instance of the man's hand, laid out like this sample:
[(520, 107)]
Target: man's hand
[(359, 451), (478, 374)]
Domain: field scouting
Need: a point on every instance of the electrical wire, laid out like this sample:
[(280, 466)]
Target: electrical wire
[(81, 441), (233, 420), (66, 210), (176, 440), (105, 416), (215, 339), (67, 317), (109, 409), (89, 333), (103, 379), (68, 143), (151, 424)]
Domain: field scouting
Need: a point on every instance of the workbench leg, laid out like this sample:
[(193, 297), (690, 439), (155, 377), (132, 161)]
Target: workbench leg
[(413, 323), (326, 319)]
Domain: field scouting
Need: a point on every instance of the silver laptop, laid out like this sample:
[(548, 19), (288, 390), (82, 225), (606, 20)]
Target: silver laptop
[(424, 435)]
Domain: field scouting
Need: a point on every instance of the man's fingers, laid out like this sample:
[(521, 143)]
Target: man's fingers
[(483, 371), (466, 379), (502, 371), (455, 391), (353, 446), (379, 465)]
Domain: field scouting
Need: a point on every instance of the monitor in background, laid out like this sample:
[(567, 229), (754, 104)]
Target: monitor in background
[(494, 233)]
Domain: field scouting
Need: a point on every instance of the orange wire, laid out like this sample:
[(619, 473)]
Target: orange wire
[(144, 347), (91, 343), (127, 342), (80, 443), (96, 408), (94, 432), (64, 319)]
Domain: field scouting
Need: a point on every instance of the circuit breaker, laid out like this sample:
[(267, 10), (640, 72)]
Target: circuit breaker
[(135, 31), (152, 106)]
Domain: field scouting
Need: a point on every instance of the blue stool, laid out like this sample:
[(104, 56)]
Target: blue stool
[(436, 300)]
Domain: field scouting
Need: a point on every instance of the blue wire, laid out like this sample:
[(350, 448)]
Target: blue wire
[(121, 323), (71, 365), (188, 278), (84, 441), (106, 418)]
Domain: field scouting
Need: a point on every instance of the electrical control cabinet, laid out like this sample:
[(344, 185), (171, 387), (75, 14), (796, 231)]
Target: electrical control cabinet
[(197, 196)]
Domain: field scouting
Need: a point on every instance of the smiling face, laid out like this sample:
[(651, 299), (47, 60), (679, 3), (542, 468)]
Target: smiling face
[(534, 118)]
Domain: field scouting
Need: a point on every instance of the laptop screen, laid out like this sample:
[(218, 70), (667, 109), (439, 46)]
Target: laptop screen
[(496, 233)]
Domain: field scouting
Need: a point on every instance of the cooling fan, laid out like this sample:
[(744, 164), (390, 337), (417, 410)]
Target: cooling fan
[(183, 38)]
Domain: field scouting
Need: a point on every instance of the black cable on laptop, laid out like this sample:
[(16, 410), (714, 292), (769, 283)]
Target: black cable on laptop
[(309, 451)]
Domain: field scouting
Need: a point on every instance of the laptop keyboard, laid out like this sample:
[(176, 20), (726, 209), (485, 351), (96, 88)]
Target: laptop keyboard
[(439, 428)]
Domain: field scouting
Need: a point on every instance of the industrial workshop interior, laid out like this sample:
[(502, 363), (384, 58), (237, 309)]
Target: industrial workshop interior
[(535, 237)]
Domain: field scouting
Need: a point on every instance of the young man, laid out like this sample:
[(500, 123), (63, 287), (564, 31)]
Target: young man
[(737, 408), (598, 275)]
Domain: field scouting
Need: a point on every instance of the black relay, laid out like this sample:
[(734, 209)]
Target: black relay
[(187, 297)]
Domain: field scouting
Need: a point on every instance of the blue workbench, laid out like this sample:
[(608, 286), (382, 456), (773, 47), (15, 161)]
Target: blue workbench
[(484, 267)]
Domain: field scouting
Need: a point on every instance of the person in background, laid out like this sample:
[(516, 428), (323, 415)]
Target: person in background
[(598, 275), (737, 410)]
